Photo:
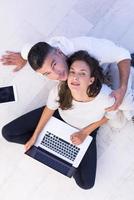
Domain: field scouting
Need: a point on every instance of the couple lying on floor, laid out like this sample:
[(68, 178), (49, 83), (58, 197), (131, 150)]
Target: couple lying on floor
[(83, 101)]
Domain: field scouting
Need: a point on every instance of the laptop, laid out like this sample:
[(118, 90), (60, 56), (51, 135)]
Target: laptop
[(54, 148)]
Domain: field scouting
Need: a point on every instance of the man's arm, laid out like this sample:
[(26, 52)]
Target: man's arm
[(19, 59), (13, 58), (124, 71), (108, 52)]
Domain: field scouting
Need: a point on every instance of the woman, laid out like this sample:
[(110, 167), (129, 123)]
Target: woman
[(81, 102)]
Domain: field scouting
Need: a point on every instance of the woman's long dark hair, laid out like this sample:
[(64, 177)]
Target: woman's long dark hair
[(65, 96)]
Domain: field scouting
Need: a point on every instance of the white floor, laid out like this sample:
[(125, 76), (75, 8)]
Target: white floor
[(31, 21)]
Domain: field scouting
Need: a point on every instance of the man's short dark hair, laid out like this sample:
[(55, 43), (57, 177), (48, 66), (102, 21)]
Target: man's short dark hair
[(38, 54)]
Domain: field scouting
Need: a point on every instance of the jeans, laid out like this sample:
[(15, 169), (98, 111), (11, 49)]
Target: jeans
[(21, 129)]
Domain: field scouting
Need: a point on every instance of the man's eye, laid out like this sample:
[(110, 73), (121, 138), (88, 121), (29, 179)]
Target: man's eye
[(47, 73), (54, 64)]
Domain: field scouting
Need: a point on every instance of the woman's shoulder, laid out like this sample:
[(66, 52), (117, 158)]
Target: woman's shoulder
[(105, 94), (53, 92), (105, 90), (55, 86)]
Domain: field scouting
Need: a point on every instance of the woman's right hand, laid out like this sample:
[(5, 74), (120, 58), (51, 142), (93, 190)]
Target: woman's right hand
[(30, 143)]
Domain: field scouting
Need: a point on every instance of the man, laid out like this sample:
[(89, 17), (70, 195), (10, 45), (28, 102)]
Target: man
[(103, 50), (49, 59)]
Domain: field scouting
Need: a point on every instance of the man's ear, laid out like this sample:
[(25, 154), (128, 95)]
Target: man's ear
[(59, 51)]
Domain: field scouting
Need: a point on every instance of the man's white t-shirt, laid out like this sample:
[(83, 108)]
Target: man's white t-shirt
[(105, 51)]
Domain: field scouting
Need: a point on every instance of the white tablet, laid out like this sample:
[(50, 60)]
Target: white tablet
[(8, 94)]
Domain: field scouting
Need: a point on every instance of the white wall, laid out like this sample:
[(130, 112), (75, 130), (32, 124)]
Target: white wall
[(34, 20)]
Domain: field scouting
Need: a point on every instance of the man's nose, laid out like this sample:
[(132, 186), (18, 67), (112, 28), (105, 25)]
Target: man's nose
[(58, 71)]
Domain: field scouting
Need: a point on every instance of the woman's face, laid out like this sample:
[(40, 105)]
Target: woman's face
[(79, 77)]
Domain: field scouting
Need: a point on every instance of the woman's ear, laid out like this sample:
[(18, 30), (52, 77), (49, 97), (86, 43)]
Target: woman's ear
[(92, 79)]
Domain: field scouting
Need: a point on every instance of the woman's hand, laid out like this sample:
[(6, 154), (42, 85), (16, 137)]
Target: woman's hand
[(78, 137), (30, 143), (46, 115)]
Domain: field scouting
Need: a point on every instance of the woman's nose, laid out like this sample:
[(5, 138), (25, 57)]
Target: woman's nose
[(76, 77)]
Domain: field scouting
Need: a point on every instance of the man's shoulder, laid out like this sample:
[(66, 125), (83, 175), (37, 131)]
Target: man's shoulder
[(70, 45), (63, 43), (66, 40)]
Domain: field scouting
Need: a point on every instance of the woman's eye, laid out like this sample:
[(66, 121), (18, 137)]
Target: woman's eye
[(71, 72), (82, 74)]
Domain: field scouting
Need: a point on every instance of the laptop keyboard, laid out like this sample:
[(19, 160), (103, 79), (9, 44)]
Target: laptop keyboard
[(60, 146)]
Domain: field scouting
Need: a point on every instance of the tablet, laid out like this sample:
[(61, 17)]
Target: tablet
[(8, 94)]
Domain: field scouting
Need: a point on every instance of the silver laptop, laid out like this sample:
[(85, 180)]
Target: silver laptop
[(54, 148)]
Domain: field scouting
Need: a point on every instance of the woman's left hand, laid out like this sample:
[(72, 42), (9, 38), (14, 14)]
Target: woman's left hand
[(78, 137), (30, 143)]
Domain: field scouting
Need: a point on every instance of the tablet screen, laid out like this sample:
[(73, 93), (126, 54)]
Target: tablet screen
[(7, 94)]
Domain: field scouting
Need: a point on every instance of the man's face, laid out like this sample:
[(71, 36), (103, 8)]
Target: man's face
[(55, 66)]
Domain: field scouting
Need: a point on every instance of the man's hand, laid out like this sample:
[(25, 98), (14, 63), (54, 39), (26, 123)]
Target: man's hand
[(13, 58), (118, 95), (78, 137)]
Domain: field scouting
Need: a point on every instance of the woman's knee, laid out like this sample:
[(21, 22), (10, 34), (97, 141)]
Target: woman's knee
[(6, 133), (86, 186), (86, 182)]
